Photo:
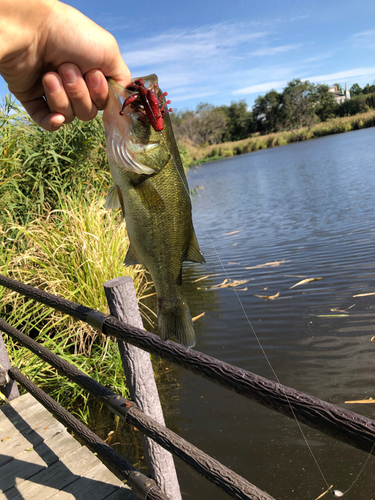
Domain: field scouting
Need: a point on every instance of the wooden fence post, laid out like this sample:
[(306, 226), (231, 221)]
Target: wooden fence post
[(140, 380), (10, 390)]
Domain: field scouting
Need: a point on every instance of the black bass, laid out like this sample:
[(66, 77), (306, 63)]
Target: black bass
[(151, 188)]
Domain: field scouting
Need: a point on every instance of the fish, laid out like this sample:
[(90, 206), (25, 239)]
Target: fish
[(151, 188)]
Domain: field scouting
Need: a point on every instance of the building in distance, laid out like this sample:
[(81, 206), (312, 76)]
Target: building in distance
[(338, 95)]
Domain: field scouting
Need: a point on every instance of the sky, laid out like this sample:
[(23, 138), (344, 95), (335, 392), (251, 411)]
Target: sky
[(218, 51)]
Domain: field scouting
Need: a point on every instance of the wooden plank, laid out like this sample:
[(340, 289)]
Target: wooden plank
[(15, 444), (39, 459), (91, 488), (56, 477)]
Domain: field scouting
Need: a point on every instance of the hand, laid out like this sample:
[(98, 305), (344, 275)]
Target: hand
[(55, 61)]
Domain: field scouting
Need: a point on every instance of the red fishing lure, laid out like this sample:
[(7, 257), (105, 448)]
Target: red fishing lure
[(146, 102)]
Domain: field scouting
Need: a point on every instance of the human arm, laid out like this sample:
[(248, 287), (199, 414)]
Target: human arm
[(50, 49)]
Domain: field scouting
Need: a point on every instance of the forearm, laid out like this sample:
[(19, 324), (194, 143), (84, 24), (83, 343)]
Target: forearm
[(21, 23)]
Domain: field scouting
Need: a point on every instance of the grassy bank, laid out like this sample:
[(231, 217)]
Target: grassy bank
[(56, 235), (70, 252), (195, 155)]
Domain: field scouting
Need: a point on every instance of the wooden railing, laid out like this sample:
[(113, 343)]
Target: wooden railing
[(334, 421)]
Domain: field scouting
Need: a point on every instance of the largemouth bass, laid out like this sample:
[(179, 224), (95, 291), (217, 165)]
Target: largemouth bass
[(151, 188)]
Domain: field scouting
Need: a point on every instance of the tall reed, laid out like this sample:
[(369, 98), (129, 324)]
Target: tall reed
[(70, 251), (56, 235)]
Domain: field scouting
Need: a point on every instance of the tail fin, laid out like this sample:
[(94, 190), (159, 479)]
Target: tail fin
[(175, 321)]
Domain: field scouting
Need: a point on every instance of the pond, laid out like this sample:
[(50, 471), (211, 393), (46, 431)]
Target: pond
[(269, 220), (310, 209)]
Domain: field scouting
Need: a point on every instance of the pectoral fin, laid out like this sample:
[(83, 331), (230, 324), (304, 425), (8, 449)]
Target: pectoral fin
[(115, 200), (131, 259), (149, 195), (194, 253), (112, 199)]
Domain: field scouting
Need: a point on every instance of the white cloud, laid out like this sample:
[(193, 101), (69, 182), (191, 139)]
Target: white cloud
[(340, 75), (189, 45), (260, 87), (271, 51), (328, 78), (364, 39)]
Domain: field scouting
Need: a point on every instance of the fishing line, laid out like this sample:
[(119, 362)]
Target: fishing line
[(267, 359), (336, 493)]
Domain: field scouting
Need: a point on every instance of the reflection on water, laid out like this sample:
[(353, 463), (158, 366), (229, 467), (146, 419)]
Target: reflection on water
[(312, 206)]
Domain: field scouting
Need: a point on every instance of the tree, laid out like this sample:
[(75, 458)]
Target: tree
[(204, 125), (211, 123), (326, 105), (186, 126), (369, 89), (267, 112), (299, 103), (355, 89), (239, 121)]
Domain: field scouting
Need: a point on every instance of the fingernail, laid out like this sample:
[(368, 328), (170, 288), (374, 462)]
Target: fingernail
[(53, 84), (70, 75), (94, 80)]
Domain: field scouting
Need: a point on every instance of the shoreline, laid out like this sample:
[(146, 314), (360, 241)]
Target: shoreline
[(197, 155)]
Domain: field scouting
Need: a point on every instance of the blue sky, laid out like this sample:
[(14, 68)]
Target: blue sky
[(222, 51)]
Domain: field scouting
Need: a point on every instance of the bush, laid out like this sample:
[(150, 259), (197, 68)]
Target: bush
[(39, 167)]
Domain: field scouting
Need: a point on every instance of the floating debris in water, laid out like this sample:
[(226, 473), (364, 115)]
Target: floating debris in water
[(268, 297), (325, 492), (197, 317), (361, 401), (228, 283), (206, 277), (364, 294), (267, 264), (304, 282), (330, 315), (336, 309), (233, 232)]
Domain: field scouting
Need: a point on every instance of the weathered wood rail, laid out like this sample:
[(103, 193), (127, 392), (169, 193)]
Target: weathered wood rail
[(336, 422)]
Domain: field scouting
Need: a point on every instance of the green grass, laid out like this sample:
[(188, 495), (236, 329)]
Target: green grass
[(69, 252), (56, 235)]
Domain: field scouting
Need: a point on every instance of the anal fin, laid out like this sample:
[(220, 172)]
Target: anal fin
[(131, 259), (194, 253)]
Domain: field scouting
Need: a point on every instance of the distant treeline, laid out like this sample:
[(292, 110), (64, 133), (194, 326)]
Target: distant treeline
[(300, 104)]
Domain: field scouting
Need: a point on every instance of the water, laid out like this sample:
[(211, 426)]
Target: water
[(310, 205)]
